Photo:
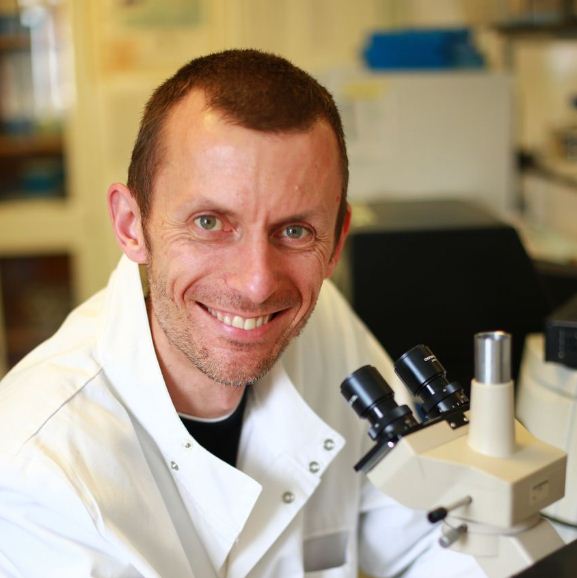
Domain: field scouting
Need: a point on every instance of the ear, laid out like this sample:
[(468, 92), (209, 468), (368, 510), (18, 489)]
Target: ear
[(127, 222), (341, 241)]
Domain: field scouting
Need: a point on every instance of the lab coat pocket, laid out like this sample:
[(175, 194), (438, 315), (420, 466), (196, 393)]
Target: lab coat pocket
[(326, 556)]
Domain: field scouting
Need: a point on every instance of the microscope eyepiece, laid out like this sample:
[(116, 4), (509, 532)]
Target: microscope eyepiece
[(372, 398), (426, 379)]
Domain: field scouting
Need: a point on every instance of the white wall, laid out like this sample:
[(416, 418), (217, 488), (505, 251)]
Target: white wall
[(118, 64)]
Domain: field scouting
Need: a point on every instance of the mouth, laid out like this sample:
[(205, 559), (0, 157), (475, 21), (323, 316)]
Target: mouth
[(246, 323)]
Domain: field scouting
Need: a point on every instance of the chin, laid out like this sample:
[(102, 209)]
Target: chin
[(235, 378), (234, 373)]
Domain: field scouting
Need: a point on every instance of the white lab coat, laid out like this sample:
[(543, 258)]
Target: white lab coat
[(99, 478)]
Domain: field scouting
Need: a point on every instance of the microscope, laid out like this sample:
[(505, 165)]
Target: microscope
[(472, 466)]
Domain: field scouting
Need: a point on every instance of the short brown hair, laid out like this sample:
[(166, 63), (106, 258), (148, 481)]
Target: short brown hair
[(250, 88)]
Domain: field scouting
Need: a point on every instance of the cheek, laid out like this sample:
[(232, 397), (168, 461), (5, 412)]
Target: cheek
[(320, 261), (178, 272), (308, 274)]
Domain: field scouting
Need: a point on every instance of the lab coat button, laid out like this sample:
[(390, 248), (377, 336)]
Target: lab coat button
[(288, 497), (174, 465), (329, 444), (187, 445), (314, 467)]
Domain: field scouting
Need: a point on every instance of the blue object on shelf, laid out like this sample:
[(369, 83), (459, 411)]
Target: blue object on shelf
[(10, 24), (42, 178), (424, 49)]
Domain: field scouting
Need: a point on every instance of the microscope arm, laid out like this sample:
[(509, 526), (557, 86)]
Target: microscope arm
[(504, 529)]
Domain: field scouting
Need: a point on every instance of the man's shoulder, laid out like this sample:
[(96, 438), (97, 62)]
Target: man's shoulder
[(333, 310), (335, 327), (334, 343), (43, 382)]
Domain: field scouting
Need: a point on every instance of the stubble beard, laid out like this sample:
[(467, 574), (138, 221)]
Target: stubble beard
[(179, 331)]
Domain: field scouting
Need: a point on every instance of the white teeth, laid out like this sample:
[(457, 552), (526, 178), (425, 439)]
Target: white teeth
[(246, 323)]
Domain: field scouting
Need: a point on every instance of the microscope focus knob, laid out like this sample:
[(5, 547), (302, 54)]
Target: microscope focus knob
[(451, 535)]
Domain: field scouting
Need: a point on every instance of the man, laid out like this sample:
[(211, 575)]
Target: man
[(168, 429)]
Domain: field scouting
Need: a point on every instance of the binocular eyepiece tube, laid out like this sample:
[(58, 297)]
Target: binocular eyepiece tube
[(426, 378), (372, 398)]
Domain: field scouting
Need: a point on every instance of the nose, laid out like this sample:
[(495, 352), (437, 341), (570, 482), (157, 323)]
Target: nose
[(256, 270)]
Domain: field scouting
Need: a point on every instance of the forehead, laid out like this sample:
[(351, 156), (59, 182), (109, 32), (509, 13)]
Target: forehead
[(198, 142), (192, 118)]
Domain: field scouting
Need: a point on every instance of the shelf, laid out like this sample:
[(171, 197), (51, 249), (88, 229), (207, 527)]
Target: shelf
[(9, 42), (36, 297), (39, 226), (30, 145), (560, 30), (557, 170), (44, 231)]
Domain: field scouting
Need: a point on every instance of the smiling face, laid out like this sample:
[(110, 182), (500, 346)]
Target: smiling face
[(240, 238)]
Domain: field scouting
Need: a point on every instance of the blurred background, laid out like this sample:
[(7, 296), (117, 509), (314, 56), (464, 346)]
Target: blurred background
[(452, 100)]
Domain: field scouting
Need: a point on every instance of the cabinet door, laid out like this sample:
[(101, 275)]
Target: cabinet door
[(36, 296)]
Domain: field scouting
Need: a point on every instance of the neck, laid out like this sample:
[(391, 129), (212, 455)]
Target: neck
[(191, 391), (195, 400)]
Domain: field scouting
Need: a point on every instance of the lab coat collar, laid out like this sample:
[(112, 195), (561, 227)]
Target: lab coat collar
[(294, 426), (285, 446), (126, 352)]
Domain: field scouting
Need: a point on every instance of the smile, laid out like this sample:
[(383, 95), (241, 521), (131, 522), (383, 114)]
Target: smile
[(246, 323)]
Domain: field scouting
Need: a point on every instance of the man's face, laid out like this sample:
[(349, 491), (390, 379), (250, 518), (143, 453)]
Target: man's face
[(241, 236)]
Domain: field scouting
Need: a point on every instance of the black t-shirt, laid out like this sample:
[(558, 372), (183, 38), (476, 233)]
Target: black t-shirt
[(220, 438)]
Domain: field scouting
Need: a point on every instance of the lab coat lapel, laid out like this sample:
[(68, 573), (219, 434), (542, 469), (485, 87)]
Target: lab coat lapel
[(219, 498), (285, 447)]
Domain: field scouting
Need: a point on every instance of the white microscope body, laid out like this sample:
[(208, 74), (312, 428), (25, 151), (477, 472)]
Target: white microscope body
[(546, 403), (493, 476)]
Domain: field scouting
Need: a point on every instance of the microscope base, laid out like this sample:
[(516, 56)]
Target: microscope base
[(502, 555)]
